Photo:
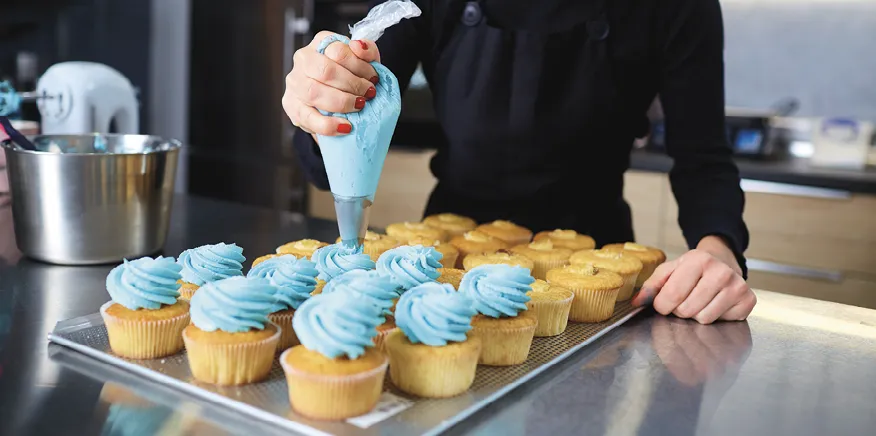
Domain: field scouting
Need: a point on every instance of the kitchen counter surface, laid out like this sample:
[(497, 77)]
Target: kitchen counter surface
[(798, 367)]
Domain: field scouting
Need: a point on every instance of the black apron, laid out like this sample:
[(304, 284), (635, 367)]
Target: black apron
[(518, 77)]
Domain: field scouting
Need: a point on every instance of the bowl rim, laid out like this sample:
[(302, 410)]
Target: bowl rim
[(8, 144)]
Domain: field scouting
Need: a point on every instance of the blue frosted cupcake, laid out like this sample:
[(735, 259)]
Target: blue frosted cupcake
[(410, 266), (334, 260), (144, 320), (336, 373), (208, 263), (295, 280), (230, 340), (379, 290), (430, 355), (499, 295)]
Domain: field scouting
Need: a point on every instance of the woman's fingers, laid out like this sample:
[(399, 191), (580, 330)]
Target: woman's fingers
[(311, 121), (364, 73), (321, 96), (365, 49)]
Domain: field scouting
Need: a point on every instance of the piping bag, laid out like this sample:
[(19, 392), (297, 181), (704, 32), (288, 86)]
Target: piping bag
[(354, 162)]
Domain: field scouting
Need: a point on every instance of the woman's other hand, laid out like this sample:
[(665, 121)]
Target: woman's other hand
[(341, 80)]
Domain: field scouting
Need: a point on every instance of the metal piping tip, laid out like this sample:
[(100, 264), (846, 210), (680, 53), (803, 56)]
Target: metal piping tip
[(352, 213)]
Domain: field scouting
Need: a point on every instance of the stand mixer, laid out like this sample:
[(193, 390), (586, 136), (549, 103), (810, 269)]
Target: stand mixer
[(77, 98)]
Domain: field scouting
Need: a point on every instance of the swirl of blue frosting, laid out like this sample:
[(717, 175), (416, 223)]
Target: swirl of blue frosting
[(294, 279), (235, 304), (497, 290), (145, 283), (334, 260), (410, 266), (337, 324), (211, 262), (379, 290), (434, 314)]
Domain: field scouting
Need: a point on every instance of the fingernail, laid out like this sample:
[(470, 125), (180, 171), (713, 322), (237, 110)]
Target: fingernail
[(360, 102), (374, 80), (370, 93), (362, 44), (345, 128)]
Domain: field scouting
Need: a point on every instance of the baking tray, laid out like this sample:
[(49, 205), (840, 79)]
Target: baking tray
[(397, 413)]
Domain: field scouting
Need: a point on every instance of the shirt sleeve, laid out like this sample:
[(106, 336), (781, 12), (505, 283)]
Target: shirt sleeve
[(399, 46), (704, 178)]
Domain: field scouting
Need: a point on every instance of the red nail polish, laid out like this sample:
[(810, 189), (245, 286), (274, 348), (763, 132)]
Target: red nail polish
[(345, 128), (363, 45), (374, 80), (370, 93), (360, 102)]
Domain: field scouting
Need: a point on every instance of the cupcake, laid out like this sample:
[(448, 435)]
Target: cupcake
[(336, 373), (500, 257), (144, 320), (230, 340), (476, 242), (261, 259), (295, 280), (407, 231), (651, 258), (208, 263), (429, 354), (334, 260), (627, 266), (449, 253), (567, 239), (376, 244), (373, 287), (550, 305), (507, 231), (410, 266), (303, 248), (450, 276), (452, 224), (499, 296), (544, 255), (595, 291)]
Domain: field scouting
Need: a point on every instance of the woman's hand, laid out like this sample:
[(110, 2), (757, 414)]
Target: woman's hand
[(705, 284), (341, 80)]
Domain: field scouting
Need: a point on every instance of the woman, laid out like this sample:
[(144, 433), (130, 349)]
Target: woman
[(540, 106)]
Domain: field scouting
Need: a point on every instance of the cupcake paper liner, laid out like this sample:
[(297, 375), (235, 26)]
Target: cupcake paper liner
[(144, 339), (449, 260), (542, 267), (647, 270), (333, 397), (283, 319), (380, 339), (504, 346), (626, 290), (432, 372), (592, 306), (552, 315), (231, 364), (187, 291)]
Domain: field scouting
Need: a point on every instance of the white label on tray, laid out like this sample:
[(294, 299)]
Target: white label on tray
[(388, 406)]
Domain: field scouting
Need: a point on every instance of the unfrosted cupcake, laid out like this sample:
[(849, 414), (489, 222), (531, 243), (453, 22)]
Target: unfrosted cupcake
[(295, 280), (499, 295), (627, 266), (476, 242), (550, 305), (303, 248), (567, 239), (407, 231), (450, 276), (336, 373), (375, 288), (261, 259), (230, 340), (595, 291), (449, 253), (334, 260), (144, 320), (544, 255), (208, 263), (500, 257), (429, 354), (451, 223), (651, 258), (376, 244), (507, 231), (410, 266)]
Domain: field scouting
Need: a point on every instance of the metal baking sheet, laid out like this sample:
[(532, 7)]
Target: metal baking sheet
[(397, 412)]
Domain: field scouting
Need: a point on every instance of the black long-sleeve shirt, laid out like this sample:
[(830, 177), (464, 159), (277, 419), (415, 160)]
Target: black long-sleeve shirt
[(540, 103)]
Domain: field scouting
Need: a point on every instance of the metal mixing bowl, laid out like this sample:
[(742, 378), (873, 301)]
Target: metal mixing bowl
[(89, 199)]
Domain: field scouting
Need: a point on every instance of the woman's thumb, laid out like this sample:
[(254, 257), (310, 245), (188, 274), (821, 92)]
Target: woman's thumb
[(365, 49)]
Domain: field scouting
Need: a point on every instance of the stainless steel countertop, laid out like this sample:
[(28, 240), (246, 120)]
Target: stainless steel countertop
[(798, 366)]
